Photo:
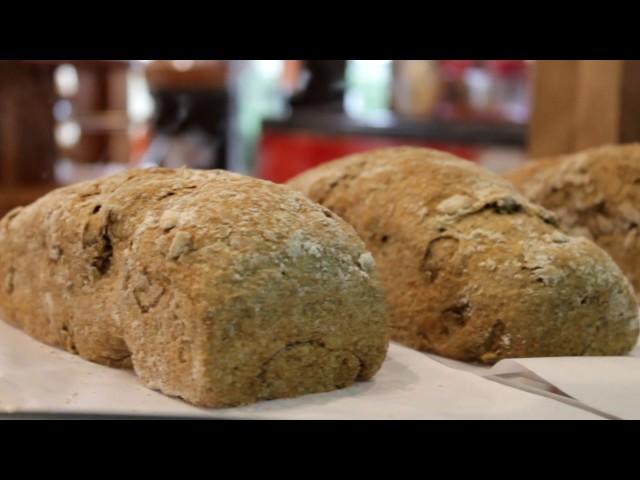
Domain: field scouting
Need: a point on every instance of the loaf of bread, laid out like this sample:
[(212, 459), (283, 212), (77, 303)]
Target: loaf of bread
[(472, 270), (216, 288), (594, 193)]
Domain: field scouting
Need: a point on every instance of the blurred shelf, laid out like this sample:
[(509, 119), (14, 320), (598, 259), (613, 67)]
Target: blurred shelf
[(478, 133), (81, 63), (102, 122), (199, 75)]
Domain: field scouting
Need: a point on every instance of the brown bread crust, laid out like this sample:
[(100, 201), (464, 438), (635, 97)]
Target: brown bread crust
[(472, 270), (595, 194), (214, 287)]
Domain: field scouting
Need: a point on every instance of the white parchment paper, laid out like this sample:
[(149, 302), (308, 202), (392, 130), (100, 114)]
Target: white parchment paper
[(37, 378), (608, 384)]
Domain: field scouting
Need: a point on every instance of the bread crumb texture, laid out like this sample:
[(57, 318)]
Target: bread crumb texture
[(594, 194), (217, 288), (471, 268)]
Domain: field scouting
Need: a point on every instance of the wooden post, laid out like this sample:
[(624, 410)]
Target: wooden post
[(599, 103), (584, 103), (100, 107), (630, 115), (27, 145), (554, 103)]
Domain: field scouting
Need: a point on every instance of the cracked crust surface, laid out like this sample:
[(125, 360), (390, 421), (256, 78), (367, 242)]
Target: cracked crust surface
[(594, 193), (216, 288), (473, 270)]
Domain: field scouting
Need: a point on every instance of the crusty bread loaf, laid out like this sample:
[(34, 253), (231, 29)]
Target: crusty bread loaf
[(472, 270), (217, 288), (594, 193)]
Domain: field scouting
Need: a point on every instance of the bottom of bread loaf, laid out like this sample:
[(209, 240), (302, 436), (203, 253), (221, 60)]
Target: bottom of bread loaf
[(215, 288), (297, 370)]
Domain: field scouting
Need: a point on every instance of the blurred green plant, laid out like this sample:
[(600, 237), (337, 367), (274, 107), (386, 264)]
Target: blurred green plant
[(368, 88), (258, 95)]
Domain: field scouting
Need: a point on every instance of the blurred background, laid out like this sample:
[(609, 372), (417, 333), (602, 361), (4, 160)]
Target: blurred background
[(67, 121)]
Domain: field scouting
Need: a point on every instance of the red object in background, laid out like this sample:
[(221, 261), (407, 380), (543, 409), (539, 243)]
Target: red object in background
[(508, 67), (455, 69), (282, 155)]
